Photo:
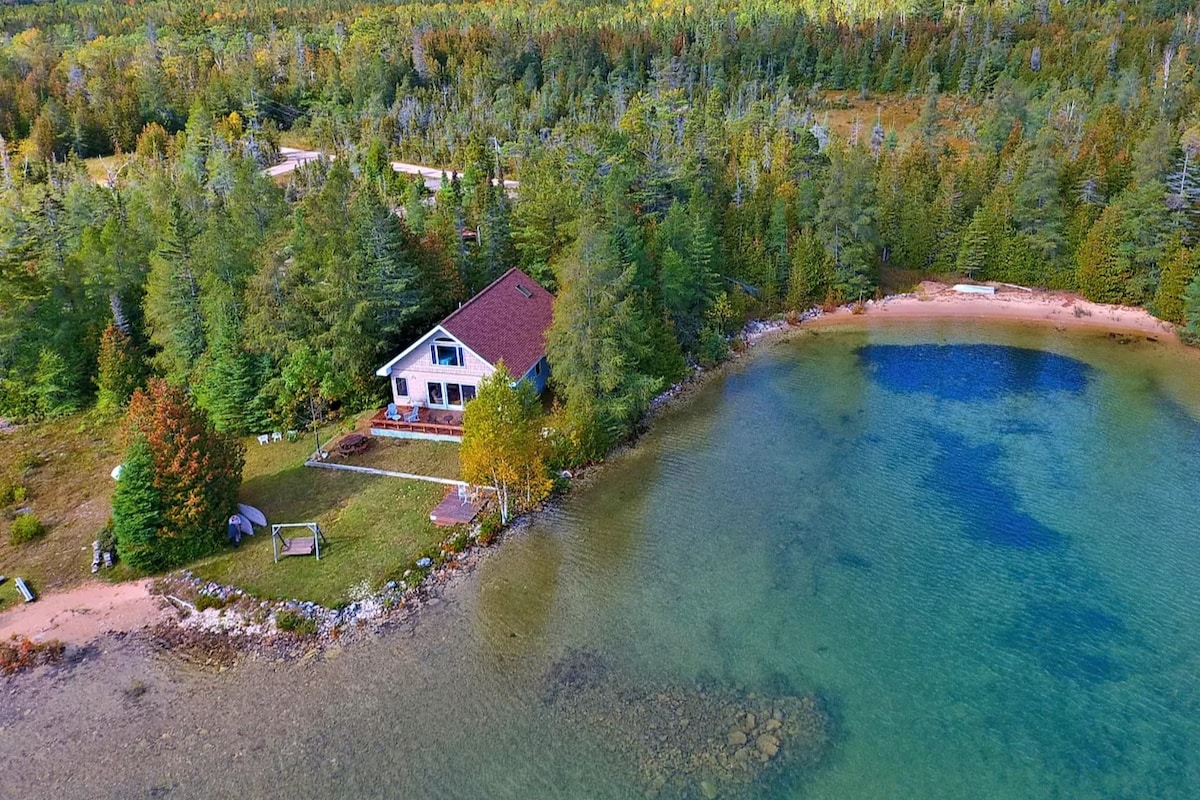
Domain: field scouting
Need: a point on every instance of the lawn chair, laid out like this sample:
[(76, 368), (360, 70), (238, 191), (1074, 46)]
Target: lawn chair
[(277, 436), (413, 415), (392, 412), (264, 438)]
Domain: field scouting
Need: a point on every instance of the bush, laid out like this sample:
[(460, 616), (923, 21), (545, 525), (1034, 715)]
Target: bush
[(207, 601), (291, 622), (457, 543), (489, 527), (26, 528), (26, 462), (7, 494), (19, 654)]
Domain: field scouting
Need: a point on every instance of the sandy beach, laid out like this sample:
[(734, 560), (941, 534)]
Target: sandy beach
[(939, 301), (82, 614)]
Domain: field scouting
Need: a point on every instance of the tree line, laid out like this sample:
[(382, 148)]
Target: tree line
[(678, 174)]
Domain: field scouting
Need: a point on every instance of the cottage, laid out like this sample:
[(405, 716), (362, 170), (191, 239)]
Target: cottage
[(438, 374)]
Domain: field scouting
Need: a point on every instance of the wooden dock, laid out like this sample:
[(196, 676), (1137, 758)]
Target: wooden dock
[(454, 510)]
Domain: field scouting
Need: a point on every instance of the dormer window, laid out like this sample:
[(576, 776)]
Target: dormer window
[(445, 353)]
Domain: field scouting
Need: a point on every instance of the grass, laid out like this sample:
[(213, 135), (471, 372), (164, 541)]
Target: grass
[(65, 468), (416, 456), (374, 525)]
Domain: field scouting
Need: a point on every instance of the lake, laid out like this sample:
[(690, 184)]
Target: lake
[(968, 555)]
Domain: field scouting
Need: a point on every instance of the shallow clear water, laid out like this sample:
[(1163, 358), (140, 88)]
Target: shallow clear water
[(978, 545)]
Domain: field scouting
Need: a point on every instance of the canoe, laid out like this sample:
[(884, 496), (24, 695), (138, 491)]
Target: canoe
[(251, 513)]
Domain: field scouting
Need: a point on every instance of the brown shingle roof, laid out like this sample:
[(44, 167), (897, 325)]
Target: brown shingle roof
[(507, 320)]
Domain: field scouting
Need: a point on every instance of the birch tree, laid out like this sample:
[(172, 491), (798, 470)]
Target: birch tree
[(502, 443)]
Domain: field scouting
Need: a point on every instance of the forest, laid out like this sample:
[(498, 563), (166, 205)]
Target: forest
[(679, 174)]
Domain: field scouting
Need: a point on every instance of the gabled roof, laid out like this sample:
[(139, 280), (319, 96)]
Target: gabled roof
[(506, 321)]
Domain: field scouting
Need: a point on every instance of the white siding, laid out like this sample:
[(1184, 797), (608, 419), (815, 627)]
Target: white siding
[(418, 369)]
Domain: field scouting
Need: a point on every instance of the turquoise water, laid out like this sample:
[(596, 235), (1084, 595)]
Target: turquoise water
[(983, 554), (979, 546)]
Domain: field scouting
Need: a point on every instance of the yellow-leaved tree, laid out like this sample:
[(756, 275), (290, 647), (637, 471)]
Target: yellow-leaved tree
[(502, 442)]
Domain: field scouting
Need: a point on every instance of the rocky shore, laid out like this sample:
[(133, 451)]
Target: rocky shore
[(695, 741)]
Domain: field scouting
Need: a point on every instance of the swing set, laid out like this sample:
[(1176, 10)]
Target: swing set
[(299, 545)]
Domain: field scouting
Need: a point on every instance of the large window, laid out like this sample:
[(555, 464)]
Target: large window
[(401, 385), (450, 395), (446, 354), (436, 396)]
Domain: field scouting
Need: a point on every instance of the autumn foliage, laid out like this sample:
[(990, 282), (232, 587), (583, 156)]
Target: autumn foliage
[(502, 442), (180, 481)]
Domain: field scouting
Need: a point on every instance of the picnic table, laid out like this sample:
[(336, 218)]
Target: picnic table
[(353, 443)]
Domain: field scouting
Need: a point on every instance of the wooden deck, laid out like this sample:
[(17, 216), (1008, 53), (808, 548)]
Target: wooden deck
[(454, 511), (432, 423)]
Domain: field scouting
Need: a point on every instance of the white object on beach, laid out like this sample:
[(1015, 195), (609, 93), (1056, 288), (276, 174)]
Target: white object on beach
[(970, 288)]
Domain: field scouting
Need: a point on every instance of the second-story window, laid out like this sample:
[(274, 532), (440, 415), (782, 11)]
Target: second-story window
[(446, 354)]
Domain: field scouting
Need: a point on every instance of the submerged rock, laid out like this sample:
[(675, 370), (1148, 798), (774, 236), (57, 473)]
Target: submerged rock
[(688, 741)]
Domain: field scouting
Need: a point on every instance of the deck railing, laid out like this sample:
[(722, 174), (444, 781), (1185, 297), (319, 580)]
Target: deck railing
[(381, 421)]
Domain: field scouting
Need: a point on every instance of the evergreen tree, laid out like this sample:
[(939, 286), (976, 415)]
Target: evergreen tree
[(120, 371), (1180, 266), (1104, 264), (197, 472), (173, 296), (137, 510), (846, 222)]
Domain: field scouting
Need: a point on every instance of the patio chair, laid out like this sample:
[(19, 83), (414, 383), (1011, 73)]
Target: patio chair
[(413, 415), (392, 412)]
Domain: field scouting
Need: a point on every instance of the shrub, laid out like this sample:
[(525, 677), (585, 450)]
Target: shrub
[(489, 527), (19, 654), (457, 543), (207, 601), (26, 462), (26, 528), (291, 622)]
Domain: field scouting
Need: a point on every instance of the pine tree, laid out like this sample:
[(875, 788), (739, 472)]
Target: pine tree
[(173, 296), (846, 222), (1180, 266), (1104, 266), (808, 283), (54, 395), (196, 472), (137, 510), (120, 371)]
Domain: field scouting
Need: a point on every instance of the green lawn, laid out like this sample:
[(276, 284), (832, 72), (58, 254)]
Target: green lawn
[(374, 525), (63, 468), (414, 456)]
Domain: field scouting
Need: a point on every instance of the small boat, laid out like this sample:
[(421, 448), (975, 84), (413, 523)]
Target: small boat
[(251, 513)]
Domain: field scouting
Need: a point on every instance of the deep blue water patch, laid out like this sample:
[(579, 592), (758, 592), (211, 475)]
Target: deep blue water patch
[(971, 372), (968, 476)]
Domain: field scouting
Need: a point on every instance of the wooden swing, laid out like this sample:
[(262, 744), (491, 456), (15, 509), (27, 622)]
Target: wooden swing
[(300, 545)]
